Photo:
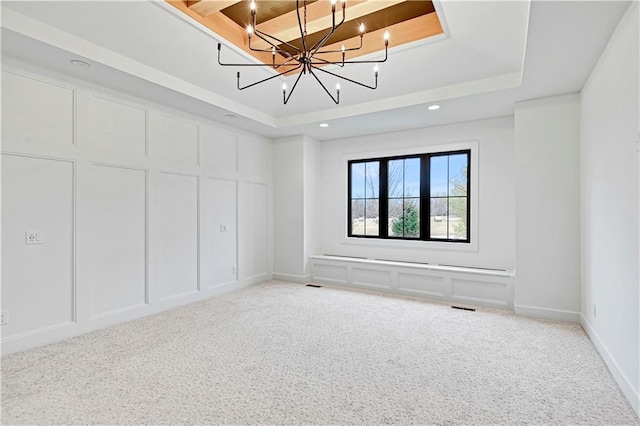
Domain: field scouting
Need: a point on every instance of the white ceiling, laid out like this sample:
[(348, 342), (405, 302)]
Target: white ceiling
[(493, 53)]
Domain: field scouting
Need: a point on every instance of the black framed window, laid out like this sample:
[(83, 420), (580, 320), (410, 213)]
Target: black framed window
[(412, 197)]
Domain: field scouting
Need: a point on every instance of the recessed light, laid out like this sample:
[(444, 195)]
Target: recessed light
[(79, 63), (433, 107), (231, 116), (324, 124)]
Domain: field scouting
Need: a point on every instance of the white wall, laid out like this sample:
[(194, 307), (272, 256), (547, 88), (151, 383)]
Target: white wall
[(495, 238), (610, 206), (288, 201), (311, 170), (140, 207), (547, 133), (295, 194)]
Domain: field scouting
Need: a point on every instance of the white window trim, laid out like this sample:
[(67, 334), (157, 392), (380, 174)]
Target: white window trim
[(408, 244)]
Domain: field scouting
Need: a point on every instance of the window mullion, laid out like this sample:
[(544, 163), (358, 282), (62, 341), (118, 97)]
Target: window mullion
[(383, 192), (425, 201), (349, 200), (468, 194)]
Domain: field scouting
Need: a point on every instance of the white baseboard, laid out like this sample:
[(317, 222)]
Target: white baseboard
[(301, 279), (256, 279), (625, 385), (545, 313), (60, 332)]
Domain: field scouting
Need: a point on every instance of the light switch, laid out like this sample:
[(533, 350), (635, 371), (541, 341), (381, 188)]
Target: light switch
[(34, 237)]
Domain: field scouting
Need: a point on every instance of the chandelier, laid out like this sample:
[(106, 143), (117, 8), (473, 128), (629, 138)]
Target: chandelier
[(306, 58)]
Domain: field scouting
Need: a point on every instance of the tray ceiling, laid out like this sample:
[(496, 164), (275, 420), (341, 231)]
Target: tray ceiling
[(475, 69), (406, 21)]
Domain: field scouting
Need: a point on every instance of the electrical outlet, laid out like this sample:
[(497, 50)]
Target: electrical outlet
[(223, 228), (594, 311), (235, 269), (33, 237), (4, 317)]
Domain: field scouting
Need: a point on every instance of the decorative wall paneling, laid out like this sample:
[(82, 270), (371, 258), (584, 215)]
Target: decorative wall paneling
[(473, 286), (141, 208)]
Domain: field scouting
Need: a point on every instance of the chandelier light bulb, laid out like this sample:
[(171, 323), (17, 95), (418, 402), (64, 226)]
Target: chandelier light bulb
[(273, 50), (284, 87), (343, 49), (376, 69), (361, 28), (253, 6), (249, 30), (386, 38), (338, 87)]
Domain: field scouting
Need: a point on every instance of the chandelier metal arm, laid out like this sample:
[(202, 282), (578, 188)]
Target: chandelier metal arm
[(296, 65), (285, 98), (326, 62), (375, 86), (334, 27), (379, 61), (324, 39), (266, 79), (351, 49), (336, 99), (265, 37), (287, 63)]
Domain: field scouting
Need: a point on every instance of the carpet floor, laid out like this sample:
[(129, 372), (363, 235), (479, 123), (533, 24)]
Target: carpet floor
[(281, 353)]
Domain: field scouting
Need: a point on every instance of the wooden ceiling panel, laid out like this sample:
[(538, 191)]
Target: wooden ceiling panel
[(209, 7), (380, 19), (267, 10), (406, 21), (319, 19)]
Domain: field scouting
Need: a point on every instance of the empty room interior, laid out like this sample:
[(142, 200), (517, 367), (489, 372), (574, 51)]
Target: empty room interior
[(320, 212)]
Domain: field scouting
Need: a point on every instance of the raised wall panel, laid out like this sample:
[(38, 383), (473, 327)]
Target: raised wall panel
[(467, 289), (329, 273), (373, 278), (36, 111), (428, 285), (176, 233), (220, 211), (254, 157), (256, 230), (37, 280), (173, 140), (117, 237), (218, 150), (111, 126)]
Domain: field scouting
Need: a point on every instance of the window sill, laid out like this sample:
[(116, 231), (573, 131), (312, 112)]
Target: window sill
[(410, 245)]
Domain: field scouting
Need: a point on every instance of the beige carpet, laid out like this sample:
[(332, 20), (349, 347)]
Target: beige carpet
[(283, 353)]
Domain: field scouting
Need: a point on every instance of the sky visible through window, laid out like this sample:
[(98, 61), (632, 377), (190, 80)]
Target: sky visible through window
[(444, 169)]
